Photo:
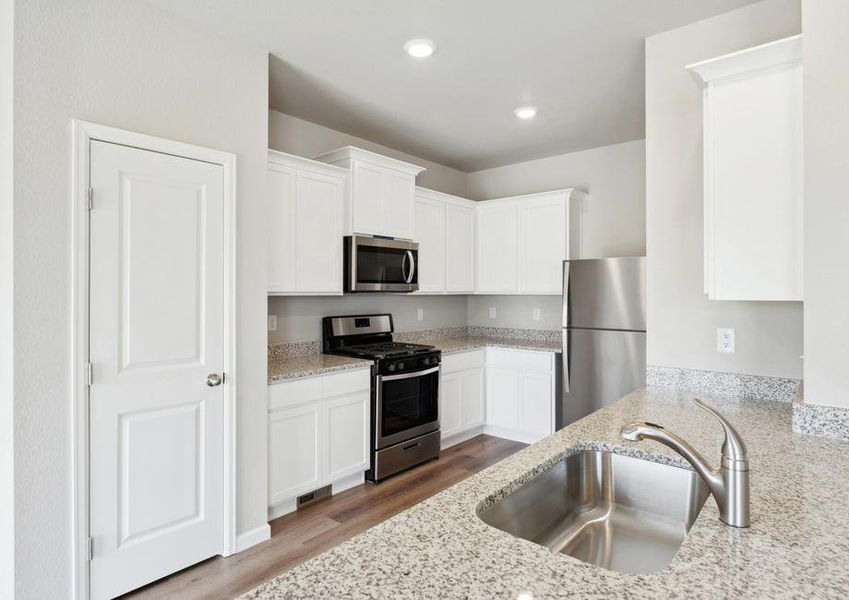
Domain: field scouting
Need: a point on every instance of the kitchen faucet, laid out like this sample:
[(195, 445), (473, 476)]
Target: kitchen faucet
[(729, 484)]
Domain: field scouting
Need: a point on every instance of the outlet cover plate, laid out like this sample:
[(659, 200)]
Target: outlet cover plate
[(725, 341)]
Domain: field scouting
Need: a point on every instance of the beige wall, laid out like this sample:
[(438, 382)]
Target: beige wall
[(303, 138), (826, 59), (682, 322), (614, 215), (126, 64)]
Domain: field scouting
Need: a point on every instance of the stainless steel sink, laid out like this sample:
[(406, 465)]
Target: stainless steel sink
[(617, 512)]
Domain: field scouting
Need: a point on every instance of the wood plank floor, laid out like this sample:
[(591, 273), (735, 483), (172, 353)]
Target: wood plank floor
[(310, 531)]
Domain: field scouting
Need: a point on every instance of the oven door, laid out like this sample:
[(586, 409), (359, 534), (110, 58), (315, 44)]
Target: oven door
[(406, 405), (380, 265)]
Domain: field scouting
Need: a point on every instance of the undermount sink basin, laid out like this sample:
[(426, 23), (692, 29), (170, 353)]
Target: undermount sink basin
[(614, 511)]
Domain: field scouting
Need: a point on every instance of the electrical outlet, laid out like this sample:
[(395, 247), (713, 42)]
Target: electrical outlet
[(420, 314), (725, 340), (536, 314), (491, 312), (272, 322)]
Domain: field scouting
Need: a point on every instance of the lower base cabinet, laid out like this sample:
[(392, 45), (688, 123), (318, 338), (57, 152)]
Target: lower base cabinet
[(317, 435), (462, 395)]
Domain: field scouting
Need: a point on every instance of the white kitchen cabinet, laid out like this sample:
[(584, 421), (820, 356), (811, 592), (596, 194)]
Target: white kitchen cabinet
[(520, 394), (753, 172), (523, 241), (306, 207), (445, 231), (461, 396), (318, 430), (382, 190)]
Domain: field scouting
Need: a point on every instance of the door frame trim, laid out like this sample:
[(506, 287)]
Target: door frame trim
[(83, 133)]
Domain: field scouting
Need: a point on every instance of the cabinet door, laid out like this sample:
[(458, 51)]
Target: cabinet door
[(542, 246), (497, 259), (294, 451), (502, 394), (460, 249), (367, 199), (449, 405), (397, 210), (536, 404), (430, 234), (471, 399), (346, 436), (318, 247), (282, 182)]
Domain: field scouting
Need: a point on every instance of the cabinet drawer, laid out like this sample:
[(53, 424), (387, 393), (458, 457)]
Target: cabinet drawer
[(462, 361), (522, 360), (294, 392), (346, 383)]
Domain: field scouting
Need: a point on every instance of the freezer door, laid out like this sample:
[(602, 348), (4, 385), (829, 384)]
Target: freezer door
[(605, 293), (599, 367)]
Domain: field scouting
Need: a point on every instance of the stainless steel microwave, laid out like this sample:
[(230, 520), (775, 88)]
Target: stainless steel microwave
[(375, 264)]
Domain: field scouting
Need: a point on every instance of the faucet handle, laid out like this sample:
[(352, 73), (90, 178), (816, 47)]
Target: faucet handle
[(734, 454)]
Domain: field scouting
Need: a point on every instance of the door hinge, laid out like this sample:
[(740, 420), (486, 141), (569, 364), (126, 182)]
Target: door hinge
[(88, 374), (90, 548), (90, 198)]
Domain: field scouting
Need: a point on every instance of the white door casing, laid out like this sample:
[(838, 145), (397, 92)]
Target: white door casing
[(158, 475)]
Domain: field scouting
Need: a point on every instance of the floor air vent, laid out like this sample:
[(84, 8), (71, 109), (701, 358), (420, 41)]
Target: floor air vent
[(313, 496)]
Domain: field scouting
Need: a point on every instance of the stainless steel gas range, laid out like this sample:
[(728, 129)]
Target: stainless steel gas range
[(404, 390)]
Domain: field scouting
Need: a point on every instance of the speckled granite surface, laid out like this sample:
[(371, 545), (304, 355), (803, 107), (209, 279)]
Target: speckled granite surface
[(310, 365), (797, 547), (814, 419), (756, 387), (464, 344)]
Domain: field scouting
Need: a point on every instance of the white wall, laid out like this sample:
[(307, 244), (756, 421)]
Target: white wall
[(826, 56), (299, 319), (516, 311), (682, 322), (7, 372), (614, 215), (127, 64), (303, 138)]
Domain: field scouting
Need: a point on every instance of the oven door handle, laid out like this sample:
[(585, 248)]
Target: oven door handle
[(381, 378)]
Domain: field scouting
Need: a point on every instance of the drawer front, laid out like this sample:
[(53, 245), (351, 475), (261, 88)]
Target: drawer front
[(521, 360), (462, 361), (349, 382), (294, 392)]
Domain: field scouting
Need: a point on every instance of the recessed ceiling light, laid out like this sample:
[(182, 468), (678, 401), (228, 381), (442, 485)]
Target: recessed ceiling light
[(526, 112), (420, 48)]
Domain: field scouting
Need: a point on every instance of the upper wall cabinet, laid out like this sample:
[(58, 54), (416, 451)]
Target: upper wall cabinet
[(445, 231), (307, 203), (382, 189), (753, 172), (523, 241)]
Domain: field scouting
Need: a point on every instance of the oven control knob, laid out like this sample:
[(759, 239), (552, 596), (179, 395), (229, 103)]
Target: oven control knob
[(390, 367), (400, 366)]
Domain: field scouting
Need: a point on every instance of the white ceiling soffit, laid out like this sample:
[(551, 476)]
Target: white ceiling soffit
[(341, 63)]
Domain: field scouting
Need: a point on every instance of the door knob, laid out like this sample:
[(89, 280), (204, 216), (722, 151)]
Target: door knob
[(214, 379)]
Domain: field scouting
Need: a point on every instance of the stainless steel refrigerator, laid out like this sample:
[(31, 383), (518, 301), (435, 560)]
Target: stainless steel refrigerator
[(604, 333)]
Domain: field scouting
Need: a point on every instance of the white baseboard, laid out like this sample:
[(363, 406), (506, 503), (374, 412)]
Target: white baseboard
[(346, 483), (285, 507), (253, 537), (282, 508), (461, 437), (510, 434)]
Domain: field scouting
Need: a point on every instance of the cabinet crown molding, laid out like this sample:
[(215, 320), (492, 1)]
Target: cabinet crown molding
[(779, 52), (275, 157), (567, 193), (442, 196), (349, 153)]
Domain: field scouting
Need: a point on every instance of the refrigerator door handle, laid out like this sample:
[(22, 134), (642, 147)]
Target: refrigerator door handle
[(566, 336), (565, 294)]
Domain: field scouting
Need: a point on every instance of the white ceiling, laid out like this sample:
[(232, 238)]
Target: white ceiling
[(340, 63)]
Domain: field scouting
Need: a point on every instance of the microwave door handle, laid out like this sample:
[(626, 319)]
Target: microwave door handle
[(404, 265), (409, 254)]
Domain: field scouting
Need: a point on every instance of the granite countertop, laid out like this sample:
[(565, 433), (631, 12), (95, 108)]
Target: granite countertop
[(465, 344), (309, 365), (796, 547)]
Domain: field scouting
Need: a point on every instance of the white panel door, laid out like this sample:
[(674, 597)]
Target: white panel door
[(367, 199), (398, 204), (430, 234), (536, 404), (282, 183), (346, 435), (318, 245), (502, 393), (157, 325), (497, 258), (472, 411), (460, 249), (542, 246), (449, 405), (295, 443)]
